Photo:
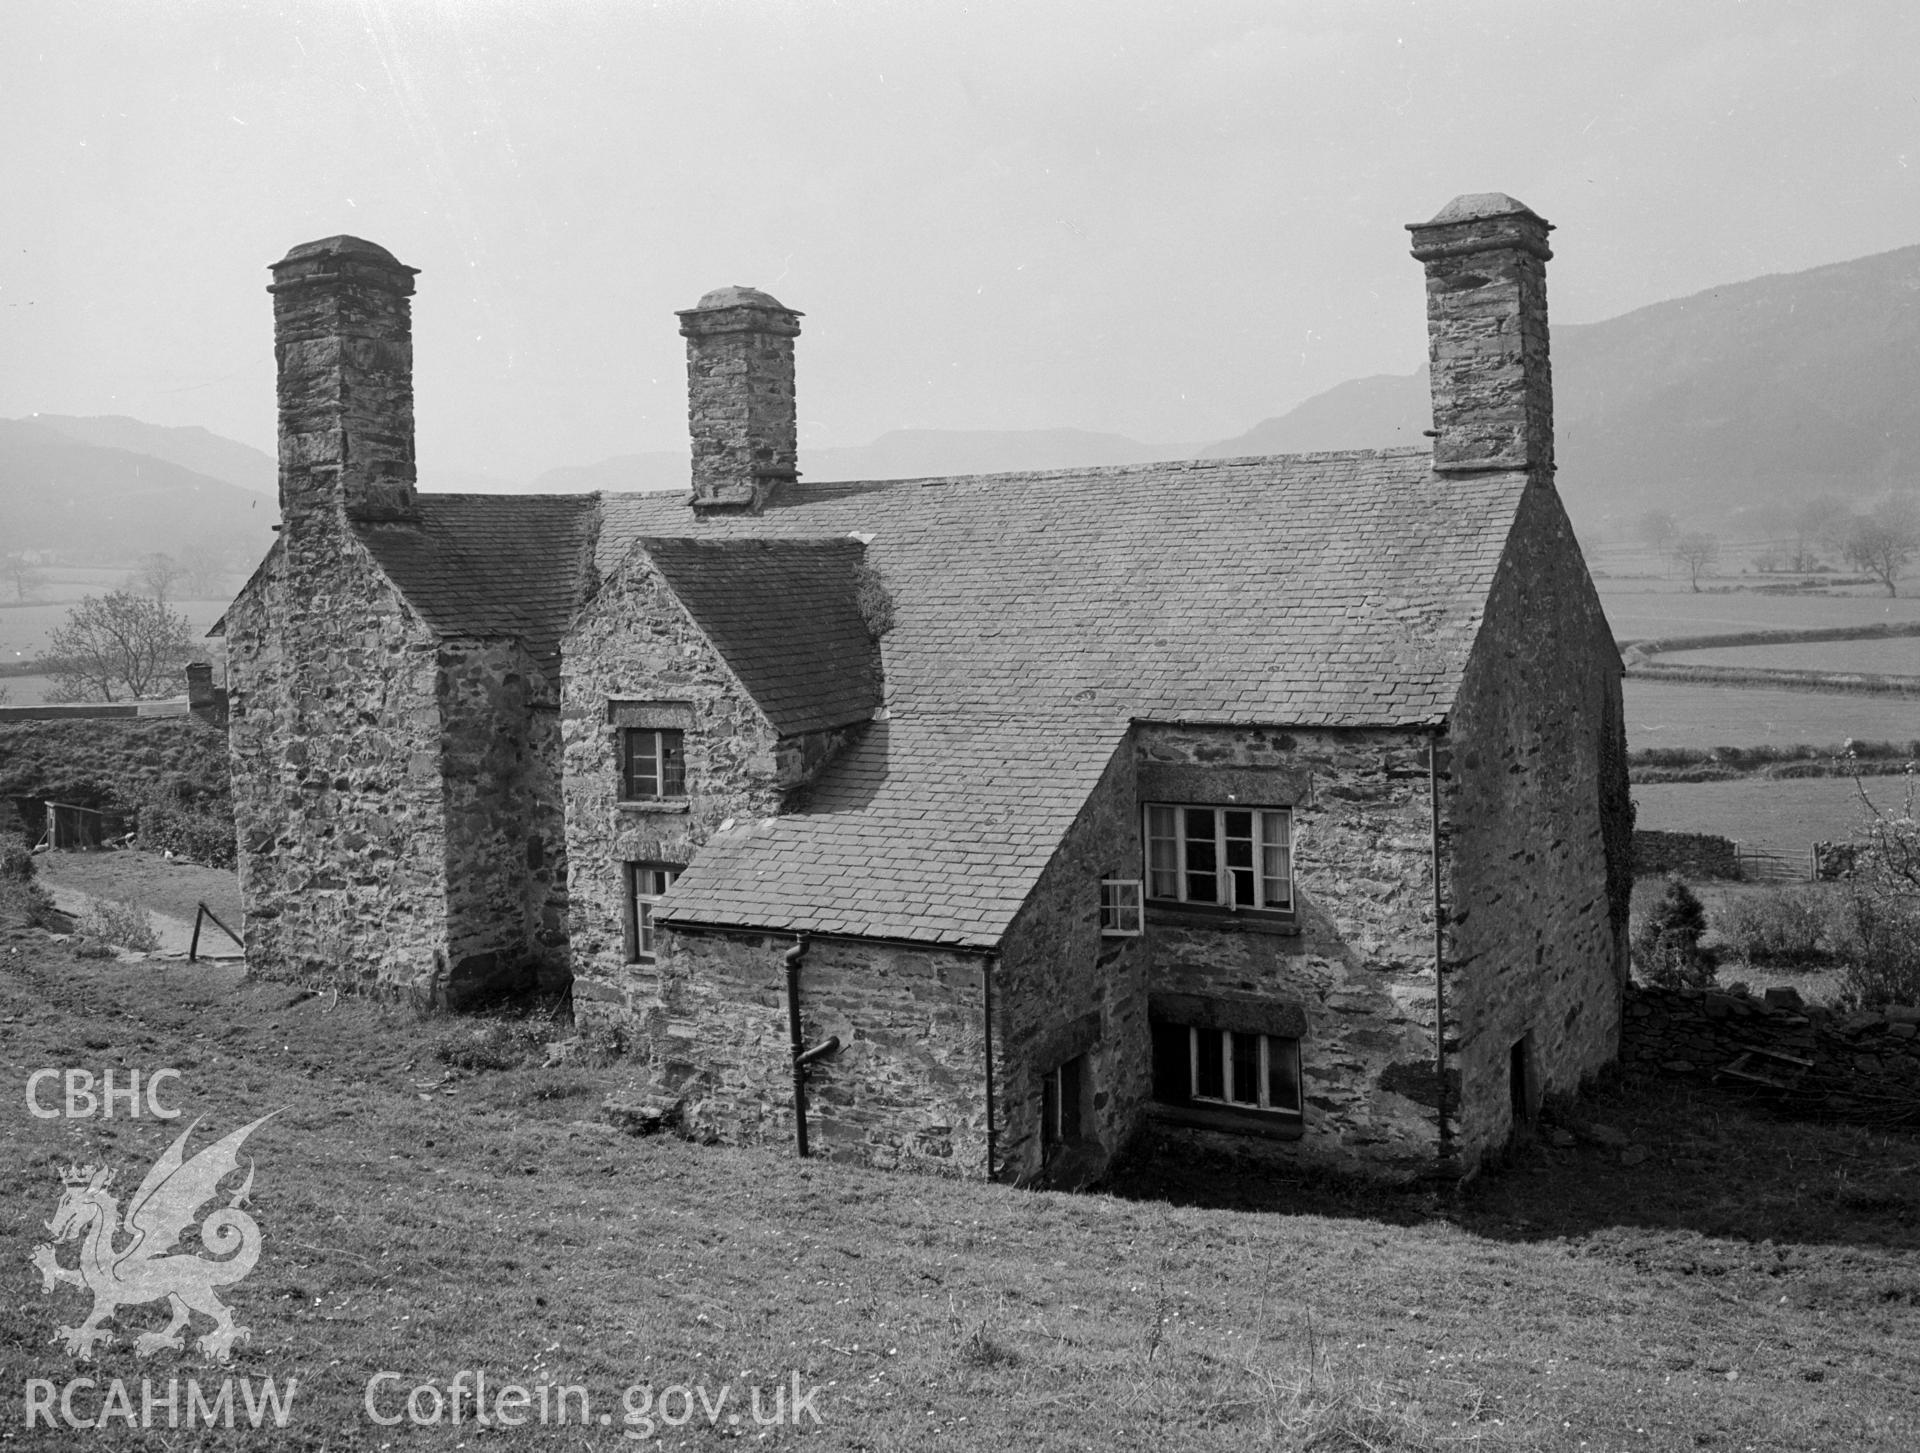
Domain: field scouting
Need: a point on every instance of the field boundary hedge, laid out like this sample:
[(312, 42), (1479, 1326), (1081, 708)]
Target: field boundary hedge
[(1638, 655), (1849, 683), (1882, 631), (1728, 764)]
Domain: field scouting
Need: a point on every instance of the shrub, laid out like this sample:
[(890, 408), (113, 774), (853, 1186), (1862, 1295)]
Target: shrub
[(1879, 932), (122, 923), (1666, 946), (1777, 928), (20, 895), (1878, 936), (200, 832)]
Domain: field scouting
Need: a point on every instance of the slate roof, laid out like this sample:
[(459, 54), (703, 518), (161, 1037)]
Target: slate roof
[(491, 565), (926, 830), (1312, 590), (1037, 615), (785, 615)]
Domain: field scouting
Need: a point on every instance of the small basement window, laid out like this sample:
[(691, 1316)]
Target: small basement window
[(653, 764), (646, 884), (1233, 1068), (1236, 858), (1063, 1105), (1120, 911)]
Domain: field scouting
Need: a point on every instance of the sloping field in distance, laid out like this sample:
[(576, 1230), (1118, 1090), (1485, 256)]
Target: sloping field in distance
[(1657, 609), (1893, 656), (1782, 817), (1684, 714)]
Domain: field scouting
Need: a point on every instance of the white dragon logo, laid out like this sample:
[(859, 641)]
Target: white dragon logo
[(141, 1271)]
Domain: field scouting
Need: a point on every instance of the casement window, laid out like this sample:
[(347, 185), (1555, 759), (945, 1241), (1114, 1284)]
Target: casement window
[(653, 764), (1120, 912), (1231, 1068), (1063, 1104), (646, 884), (1236, 858)]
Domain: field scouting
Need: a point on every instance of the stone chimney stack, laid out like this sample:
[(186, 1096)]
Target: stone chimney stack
[(1486, 257), (740, 407), (343, 339)]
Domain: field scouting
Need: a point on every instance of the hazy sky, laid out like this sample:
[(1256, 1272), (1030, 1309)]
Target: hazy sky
[(1168, 220)]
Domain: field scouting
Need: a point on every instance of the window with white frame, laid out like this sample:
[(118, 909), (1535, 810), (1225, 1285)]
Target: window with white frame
[(1120, 915), (1232, 1068), (653, 764), (1237, 858), (647, 883)]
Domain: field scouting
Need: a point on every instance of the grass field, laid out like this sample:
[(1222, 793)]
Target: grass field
[(1895, 656), (1686, 714), (1782, 817), (1649, 610), (1750, 1286)]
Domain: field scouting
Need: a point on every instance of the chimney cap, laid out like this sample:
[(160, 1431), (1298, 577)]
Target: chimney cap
[(737, 297), (1478, 207), (344, 246)]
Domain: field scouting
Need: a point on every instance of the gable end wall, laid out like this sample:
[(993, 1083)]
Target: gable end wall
[(1534, 806), (334, 743)]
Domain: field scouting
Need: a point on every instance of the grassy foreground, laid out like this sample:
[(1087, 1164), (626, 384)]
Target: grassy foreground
[(1746, 1285)]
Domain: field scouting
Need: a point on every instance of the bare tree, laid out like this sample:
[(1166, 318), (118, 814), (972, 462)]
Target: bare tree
[(1696, 553), (20, 573), (203, 570), (116, 645), (157, 576), (1884, 540), (1656, 528), (1814, 524)]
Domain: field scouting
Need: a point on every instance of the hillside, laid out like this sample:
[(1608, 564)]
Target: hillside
[(1750, 393), (191, 448), (100, 505)]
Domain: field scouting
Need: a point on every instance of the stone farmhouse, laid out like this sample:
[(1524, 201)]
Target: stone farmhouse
[(985, 826)]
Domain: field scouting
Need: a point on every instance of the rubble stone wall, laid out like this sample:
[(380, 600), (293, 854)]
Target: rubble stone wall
[(506, 848), (1061, 990), (1533, 816), (906, 1089), (1862, 1066), (1358, 971), (1693, 855), (334, 744), (632, 643)]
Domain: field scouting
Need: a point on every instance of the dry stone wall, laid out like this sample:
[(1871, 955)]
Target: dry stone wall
[(1534, 821), (1861, 1066), (1359, 972), (1693, 855)]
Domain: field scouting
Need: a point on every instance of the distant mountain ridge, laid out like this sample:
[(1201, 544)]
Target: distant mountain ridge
[(92, 504), (1751, 393), (1781, 387), (190, 447)]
